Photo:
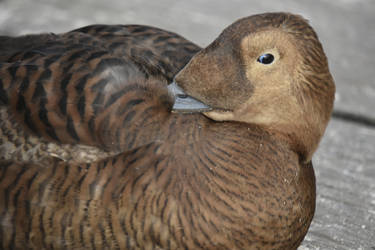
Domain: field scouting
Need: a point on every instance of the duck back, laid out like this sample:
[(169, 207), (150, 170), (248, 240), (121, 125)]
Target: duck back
[(54, 88)]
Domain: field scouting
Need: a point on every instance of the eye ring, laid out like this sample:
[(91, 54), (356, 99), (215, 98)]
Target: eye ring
[(266, 58)]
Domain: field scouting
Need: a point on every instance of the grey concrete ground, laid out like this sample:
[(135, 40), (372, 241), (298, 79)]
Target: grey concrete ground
[(345, 161)]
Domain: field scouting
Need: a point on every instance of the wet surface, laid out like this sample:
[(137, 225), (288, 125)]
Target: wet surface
[(345, 161)]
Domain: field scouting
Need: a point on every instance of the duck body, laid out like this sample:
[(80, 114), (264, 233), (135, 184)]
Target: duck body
[(139, 176), (203, 186)]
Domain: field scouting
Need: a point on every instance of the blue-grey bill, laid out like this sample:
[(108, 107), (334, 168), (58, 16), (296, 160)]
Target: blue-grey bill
[(185, 103)]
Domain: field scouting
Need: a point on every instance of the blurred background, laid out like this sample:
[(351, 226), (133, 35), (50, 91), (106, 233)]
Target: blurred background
[(345, 161)]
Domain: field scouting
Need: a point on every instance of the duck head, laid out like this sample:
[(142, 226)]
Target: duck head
[(269, 70)]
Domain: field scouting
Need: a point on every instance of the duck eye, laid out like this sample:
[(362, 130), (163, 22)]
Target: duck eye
[(266, 58)]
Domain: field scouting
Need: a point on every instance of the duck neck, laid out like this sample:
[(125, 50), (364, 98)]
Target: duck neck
[(301, 139)]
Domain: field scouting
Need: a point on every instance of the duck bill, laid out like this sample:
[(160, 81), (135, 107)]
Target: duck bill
[(184, 103)]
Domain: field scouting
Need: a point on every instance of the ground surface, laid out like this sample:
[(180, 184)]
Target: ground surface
[(345, 161)]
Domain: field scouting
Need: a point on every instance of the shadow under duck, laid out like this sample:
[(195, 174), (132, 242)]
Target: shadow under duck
[(219, 159)]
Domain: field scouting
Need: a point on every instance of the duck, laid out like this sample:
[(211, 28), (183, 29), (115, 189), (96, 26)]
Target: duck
[(208, 149)]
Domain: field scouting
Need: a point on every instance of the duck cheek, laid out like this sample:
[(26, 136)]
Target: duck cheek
[(215, 79), (194, 77)]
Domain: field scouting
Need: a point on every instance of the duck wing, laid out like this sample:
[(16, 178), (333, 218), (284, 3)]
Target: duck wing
[(64, 98)]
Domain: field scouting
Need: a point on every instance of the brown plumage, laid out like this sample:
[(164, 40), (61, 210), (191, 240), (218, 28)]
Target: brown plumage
[(58, 85), (238, 176)]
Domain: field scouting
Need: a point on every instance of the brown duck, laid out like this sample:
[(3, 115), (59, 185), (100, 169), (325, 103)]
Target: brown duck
[(109, 156)]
